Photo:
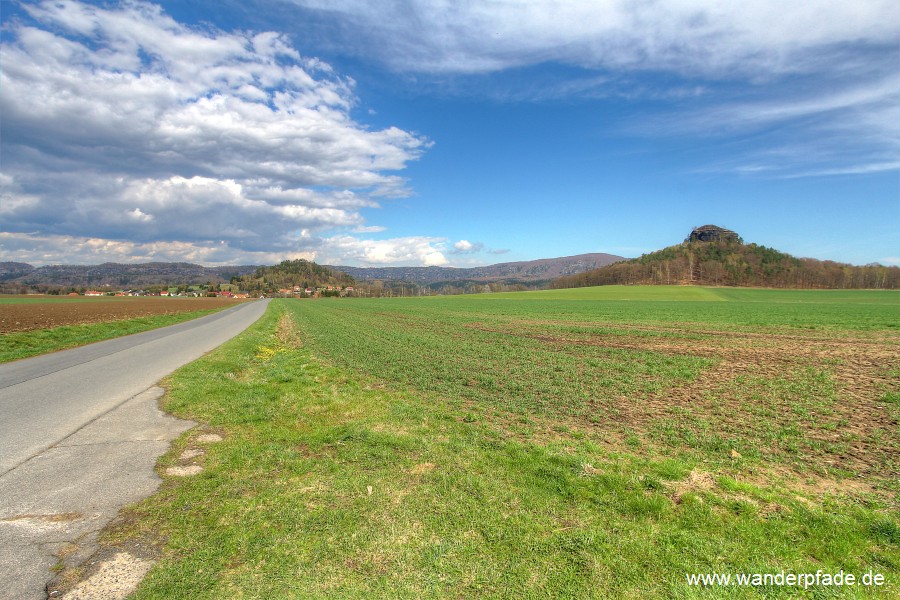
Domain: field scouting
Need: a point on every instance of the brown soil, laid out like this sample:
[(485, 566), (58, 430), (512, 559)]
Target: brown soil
[(45, 315)]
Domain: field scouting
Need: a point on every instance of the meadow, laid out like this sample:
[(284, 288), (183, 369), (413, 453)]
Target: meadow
[(599, 442)]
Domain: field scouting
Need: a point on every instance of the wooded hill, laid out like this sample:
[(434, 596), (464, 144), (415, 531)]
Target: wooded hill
[(290, 273), (732, 263)]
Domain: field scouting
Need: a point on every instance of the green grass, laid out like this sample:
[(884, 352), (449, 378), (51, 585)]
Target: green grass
[(728, 307), (490, 447), (25, 344)]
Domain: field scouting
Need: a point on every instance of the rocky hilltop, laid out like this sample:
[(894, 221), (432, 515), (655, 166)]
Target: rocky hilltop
[(713, 233)]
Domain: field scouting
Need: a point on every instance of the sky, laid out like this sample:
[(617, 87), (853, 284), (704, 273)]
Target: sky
[(438, 133)]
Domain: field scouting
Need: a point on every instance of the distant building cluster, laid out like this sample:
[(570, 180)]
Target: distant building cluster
[(192, 291), (314, 292), (222, 291)]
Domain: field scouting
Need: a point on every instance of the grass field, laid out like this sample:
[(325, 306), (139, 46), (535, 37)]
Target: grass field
[(603, 442)]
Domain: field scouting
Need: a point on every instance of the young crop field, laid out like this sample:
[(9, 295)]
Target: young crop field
[(599, 442), (772, 377)]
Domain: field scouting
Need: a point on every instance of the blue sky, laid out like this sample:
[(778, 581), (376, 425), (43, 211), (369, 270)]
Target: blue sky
[(445, 133)]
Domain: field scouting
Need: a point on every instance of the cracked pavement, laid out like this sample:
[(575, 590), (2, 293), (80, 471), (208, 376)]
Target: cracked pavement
[(45, 514)]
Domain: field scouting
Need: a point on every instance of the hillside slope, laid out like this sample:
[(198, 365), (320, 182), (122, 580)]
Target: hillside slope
[(732, 263)]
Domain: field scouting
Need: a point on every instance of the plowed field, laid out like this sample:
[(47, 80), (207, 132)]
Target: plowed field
[(32, 315)]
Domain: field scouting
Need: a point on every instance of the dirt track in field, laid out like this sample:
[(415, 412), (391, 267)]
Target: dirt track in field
[(77, 311)]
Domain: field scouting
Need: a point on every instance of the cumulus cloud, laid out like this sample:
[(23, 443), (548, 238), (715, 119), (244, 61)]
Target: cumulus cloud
[(467, 247), (409, 251), (121, 124)]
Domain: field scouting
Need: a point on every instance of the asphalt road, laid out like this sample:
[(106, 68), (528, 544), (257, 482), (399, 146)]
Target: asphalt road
[(80, 432)]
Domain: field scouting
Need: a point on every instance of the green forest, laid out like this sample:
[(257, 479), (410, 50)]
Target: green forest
[(290, 273), (731, 263)]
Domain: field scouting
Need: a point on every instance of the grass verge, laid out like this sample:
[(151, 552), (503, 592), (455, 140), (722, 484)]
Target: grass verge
[(333, 483), (25, 344)]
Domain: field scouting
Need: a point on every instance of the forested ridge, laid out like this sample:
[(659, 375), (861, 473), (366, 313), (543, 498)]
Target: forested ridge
[(290, 273), (731, 263)]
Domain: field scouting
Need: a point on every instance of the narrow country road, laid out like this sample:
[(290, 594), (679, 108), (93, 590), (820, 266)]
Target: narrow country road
[(79, 435)]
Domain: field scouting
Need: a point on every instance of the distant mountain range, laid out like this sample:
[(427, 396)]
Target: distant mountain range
[(531, 271), (711, 255), (144, 274), (118, 274)]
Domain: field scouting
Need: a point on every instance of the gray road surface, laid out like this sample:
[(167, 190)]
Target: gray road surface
[(80, 432)]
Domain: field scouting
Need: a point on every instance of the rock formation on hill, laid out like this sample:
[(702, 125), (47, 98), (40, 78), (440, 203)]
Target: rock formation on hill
[(712, 233)]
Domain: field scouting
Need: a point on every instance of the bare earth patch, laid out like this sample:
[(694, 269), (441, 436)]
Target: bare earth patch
[(114, 579), (185, 471), (79, 311), (697, 481)]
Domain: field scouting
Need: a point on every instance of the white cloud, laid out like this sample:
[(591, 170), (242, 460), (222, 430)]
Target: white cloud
[(407, 251), (823, 71), (467, 247), (875, 101), (69, 249), (850, 127), (709, 37), (139, 215), (44, 249), (122, 124)]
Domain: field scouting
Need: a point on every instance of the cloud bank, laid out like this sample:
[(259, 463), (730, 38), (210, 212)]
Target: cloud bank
[(132, 134), (705, 37), (817, 79)]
